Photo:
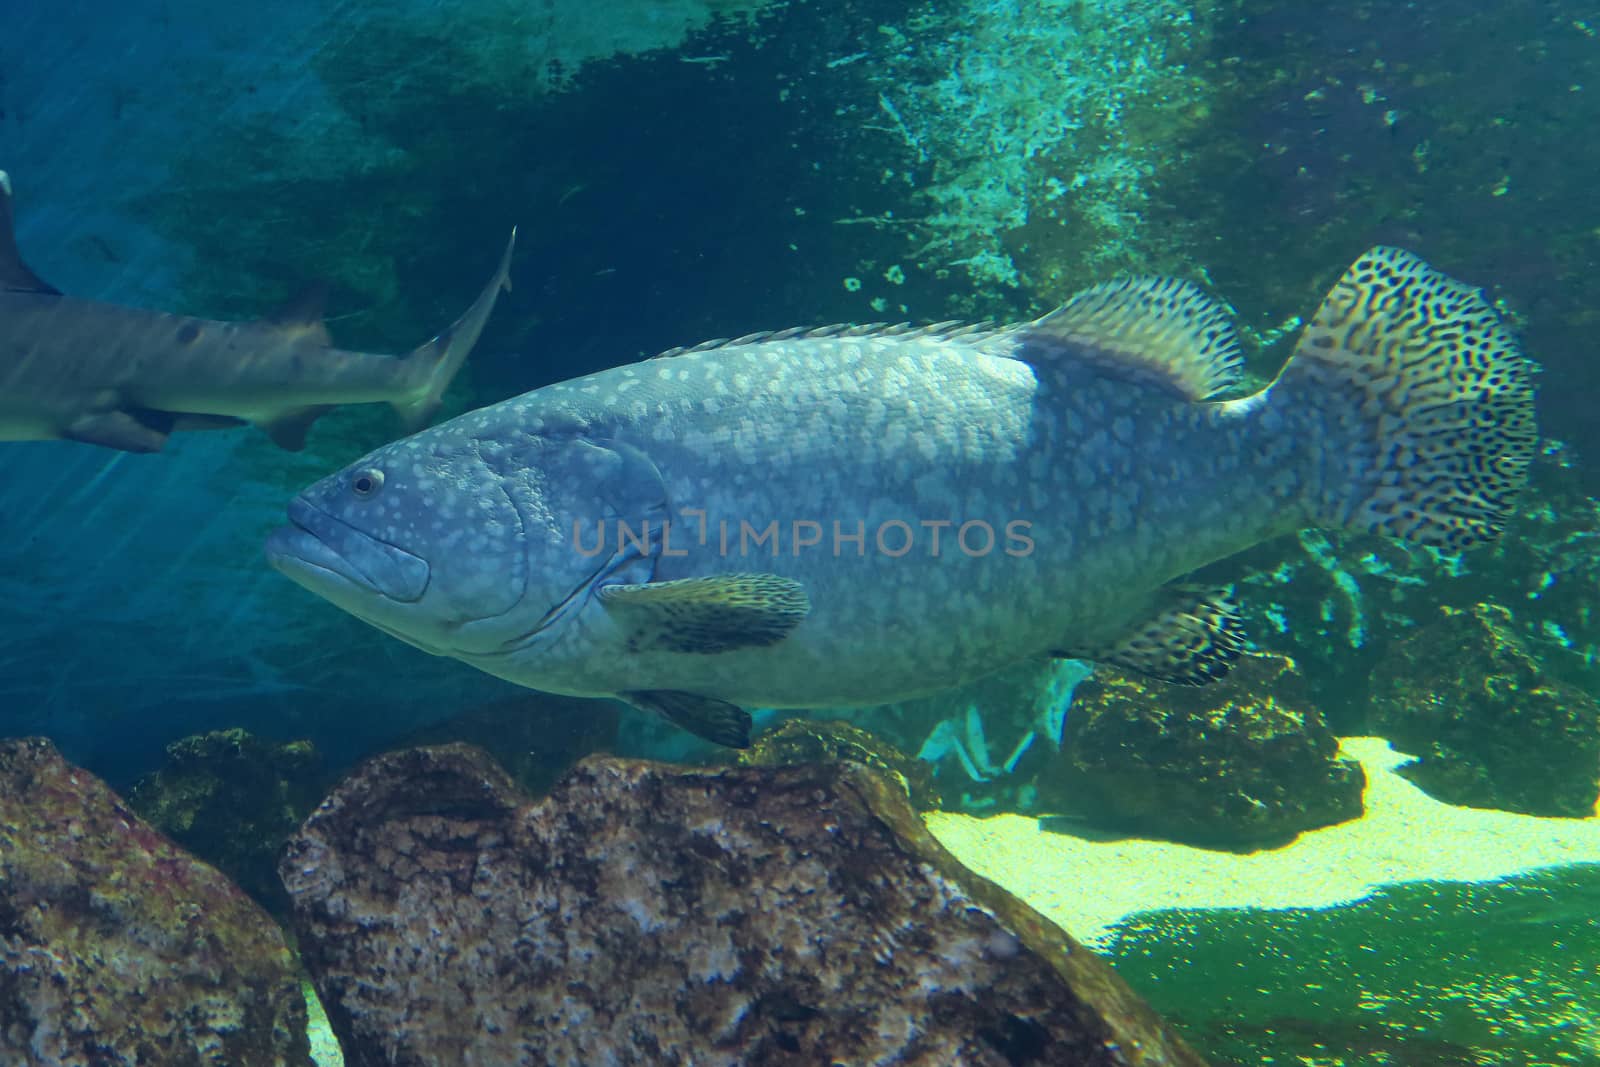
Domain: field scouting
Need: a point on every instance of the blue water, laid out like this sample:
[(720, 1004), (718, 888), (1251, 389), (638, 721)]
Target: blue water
[(680, 173)]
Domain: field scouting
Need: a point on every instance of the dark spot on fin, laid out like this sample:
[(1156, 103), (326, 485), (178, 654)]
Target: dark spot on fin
[(303, 312), (288, 431), (704, 615), (714, 720), (15, 275), (1423, 395), (1153, 331), (1192, 637), (133, 430)]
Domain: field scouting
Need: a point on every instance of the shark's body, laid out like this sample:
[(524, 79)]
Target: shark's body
[(858, 516), (126, 377)]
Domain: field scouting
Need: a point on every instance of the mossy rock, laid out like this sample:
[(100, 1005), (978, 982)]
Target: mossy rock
[(1245, 762), (232, 799), (801, 741), (1490, 725)]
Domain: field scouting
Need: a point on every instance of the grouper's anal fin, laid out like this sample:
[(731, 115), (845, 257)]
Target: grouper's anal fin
[(15, 275), (714, 720), (1191, 636), (707, 615)]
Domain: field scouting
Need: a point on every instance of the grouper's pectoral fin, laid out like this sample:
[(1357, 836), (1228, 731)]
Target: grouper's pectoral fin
[(717, 721), (706, 615), (1191, 637)]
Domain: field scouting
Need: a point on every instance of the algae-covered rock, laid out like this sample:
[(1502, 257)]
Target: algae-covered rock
[(232, 799), (1490, 724), (655, 915), (1244, 762), (117, 948), (809, 741)]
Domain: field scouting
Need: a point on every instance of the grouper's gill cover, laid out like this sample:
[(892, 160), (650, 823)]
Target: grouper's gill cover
[(1406, 409)]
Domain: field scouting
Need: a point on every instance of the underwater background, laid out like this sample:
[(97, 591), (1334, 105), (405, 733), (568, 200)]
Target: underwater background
[(688, 169)]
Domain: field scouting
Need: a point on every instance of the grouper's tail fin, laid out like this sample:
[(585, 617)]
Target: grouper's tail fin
[(1422, 402), (434, 365)]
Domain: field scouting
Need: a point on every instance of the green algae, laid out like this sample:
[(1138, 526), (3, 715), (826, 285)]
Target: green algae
[(1499, 974)]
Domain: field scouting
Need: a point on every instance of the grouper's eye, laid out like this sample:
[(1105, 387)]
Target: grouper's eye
[(367, 483)]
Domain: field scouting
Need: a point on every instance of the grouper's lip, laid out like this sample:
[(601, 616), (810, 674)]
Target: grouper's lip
[(319, 550)]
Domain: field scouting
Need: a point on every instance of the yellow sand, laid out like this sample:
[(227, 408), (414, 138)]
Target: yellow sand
[(1088, 882)]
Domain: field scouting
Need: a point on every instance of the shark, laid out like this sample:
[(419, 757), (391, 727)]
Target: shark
[(127, 378)]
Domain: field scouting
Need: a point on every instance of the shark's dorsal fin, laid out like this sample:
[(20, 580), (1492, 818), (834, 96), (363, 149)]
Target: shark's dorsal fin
[(15, 276), (302, 312), (1159, 331)]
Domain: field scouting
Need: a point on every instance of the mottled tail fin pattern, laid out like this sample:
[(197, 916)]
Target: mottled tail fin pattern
[(1419, 391)]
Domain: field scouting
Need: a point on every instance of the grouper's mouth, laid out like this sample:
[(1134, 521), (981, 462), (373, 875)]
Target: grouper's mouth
[(337, 561)]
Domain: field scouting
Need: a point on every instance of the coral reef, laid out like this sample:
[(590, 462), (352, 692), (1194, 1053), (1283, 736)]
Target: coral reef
[(1338, 603), (1037, 132), (232, 799), (645, 914), (1492, 727), (116, 948), (1243, 764)]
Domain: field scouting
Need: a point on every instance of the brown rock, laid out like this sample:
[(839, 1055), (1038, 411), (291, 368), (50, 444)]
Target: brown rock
[(1243, 763), (652, 915), (116, 947), (1491, 722)]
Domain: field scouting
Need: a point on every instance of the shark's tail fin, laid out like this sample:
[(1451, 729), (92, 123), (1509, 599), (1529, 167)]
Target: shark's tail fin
[(1420, 402), (433, 365)]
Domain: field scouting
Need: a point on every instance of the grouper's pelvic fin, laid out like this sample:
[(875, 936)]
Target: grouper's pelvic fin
[(714, 720), (1420, 401), (1190, 636), (1159, 332), (433, 366)]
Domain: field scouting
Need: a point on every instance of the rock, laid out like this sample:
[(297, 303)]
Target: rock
[(232, 799), (656, 915), (116, 948), (1493, 727), (537, 737), (1244, 762), (811, 741)]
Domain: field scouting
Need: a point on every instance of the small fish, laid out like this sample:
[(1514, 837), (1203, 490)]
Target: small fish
[(861, 515), (127, 378)]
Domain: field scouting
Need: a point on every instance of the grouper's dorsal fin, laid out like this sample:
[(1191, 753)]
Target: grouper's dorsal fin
[(303, 312), (15, 275), (1159, 331), (976, 334)]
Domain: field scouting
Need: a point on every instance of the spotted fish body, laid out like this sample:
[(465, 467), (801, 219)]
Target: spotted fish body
[(861, 515)]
